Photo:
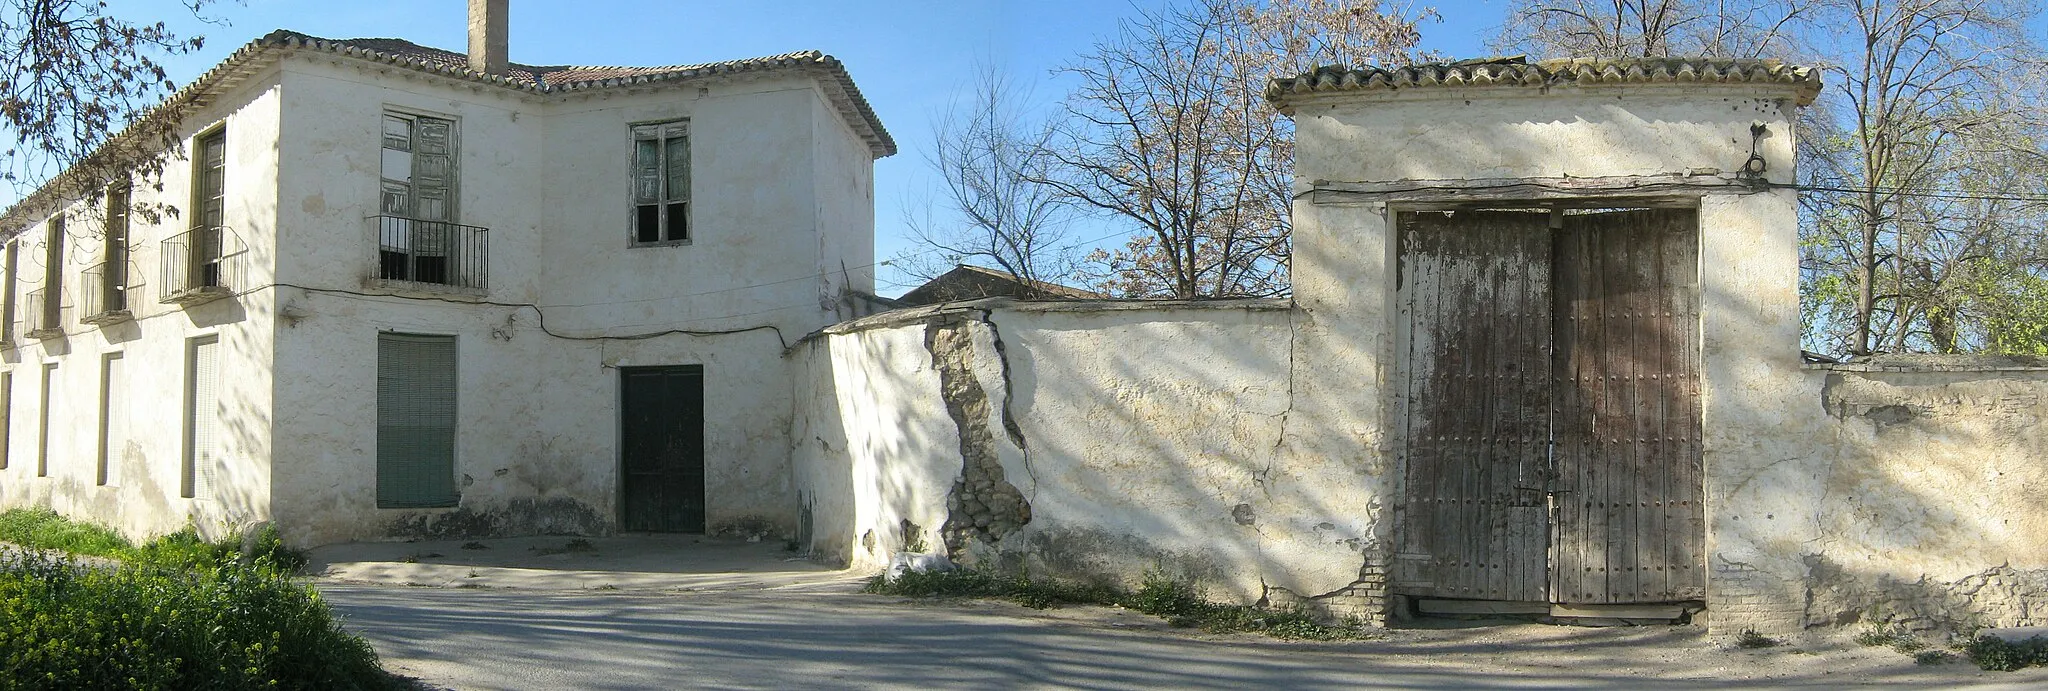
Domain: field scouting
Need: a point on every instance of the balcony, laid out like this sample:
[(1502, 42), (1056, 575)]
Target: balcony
[(435, 256), (44, 317), (202, 264), (106, 294)]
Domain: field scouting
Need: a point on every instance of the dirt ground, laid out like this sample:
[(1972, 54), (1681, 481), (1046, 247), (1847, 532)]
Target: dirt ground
[(684, 612)]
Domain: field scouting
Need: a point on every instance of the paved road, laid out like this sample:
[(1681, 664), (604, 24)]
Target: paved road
[(823, 637)]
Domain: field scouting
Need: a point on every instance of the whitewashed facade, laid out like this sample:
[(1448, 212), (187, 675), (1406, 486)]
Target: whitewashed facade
[(371, 188)]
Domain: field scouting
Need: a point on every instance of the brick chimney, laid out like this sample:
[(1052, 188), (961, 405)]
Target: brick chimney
[(487, 36)]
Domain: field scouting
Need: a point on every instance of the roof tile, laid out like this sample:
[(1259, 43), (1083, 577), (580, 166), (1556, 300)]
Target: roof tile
[(1517, 72)]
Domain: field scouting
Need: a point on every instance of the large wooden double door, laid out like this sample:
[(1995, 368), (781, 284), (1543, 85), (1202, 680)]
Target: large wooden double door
[(1552, 437)]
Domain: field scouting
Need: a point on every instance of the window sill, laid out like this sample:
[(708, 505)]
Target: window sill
[(45, 334), (193, 296), (108, 318), (664, 243), (440, 290)]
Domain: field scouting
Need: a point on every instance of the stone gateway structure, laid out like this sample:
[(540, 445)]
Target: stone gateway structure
[(1542, 356)]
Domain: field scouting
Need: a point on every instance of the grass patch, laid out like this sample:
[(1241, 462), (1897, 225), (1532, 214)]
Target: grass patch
[(1999, 655), (1751, 639), (1173, 600), (42, 528), (1933, 657), (1892, 636)]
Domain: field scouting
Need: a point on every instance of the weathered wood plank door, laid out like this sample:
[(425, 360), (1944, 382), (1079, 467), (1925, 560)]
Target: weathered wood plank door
[(1552, 440), (661, 441), (1476, 287), (1630, 523)]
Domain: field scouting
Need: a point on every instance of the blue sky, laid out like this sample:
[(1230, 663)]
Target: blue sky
[(910, 57)]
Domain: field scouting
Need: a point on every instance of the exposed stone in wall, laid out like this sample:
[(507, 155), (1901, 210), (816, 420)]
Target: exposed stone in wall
[(1997, 597), (525, 516), (1364, 600), (982, 506), (1743, 596)]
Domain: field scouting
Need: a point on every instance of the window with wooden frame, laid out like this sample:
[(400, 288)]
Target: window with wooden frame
[(114, 276), (209, 210), (49, 309), (7, 332), (661, 183), (417, 198)]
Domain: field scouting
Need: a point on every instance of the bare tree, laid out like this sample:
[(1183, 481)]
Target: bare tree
[(1650, 28), (1916, 161), (989, 156), (1168, 131), (1919, 103), (70, 76)]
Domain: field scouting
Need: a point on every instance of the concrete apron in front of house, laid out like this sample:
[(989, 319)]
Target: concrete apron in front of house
[(1277, 451), (642, 562)]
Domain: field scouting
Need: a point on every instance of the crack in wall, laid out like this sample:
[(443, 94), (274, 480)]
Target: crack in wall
[(982, 505), (1010, 426)]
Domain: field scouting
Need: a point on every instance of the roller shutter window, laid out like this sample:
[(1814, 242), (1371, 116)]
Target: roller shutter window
[(113, 418), (415, 421), (202, 420)]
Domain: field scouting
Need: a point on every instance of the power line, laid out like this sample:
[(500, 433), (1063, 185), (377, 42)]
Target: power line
[(1924, 193)]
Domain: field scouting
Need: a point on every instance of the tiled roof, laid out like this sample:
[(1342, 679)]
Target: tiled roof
[(832, 75), (253, 56), (1517, 72)]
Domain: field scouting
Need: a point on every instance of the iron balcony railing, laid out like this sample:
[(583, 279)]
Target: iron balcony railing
[(106, 293), (434, 253), (202, 264), (45, 315)]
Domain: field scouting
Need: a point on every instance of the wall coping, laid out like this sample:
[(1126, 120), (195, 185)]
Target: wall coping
[(1937, 363), (912, 315)]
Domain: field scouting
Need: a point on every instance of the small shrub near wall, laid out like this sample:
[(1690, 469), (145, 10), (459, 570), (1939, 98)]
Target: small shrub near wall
[(176, 613), (228, 625)]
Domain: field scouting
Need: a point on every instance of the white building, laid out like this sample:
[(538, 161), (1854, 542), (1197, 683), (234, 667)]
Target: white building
[(407, 293)]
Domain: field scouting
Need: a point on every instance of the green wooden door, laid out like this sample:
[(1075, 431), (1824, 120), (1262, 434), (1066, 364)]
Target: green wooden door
[(661, 441)]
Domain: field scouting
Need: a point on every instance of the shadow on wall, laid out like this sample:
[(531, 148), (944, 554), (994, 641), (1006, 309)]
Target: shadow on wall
[(1905, 491), (1134, 440)]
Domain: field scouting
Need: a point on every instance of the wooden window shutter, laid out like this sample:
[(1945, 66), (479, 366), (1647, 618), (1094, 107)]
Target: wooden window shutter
[(415, 421)]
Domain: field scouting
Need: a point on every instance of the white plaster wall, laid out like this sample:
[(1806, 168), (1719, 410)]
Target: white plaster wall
[(1153, 440), (872, 445), (146, 449), (538, 405), (1453, 134), (1934, 474), (845, 194)]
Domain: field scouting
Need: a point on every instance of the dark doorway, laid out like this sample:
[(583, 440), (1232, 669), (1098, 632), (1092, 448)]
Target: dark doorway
[(661, 440), (1552, 441)]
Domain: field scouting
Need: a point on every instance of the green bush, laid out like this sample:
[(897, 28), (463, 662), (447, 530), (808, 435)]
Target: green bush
[(147, 624), (1999, 655), (43, 528)]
